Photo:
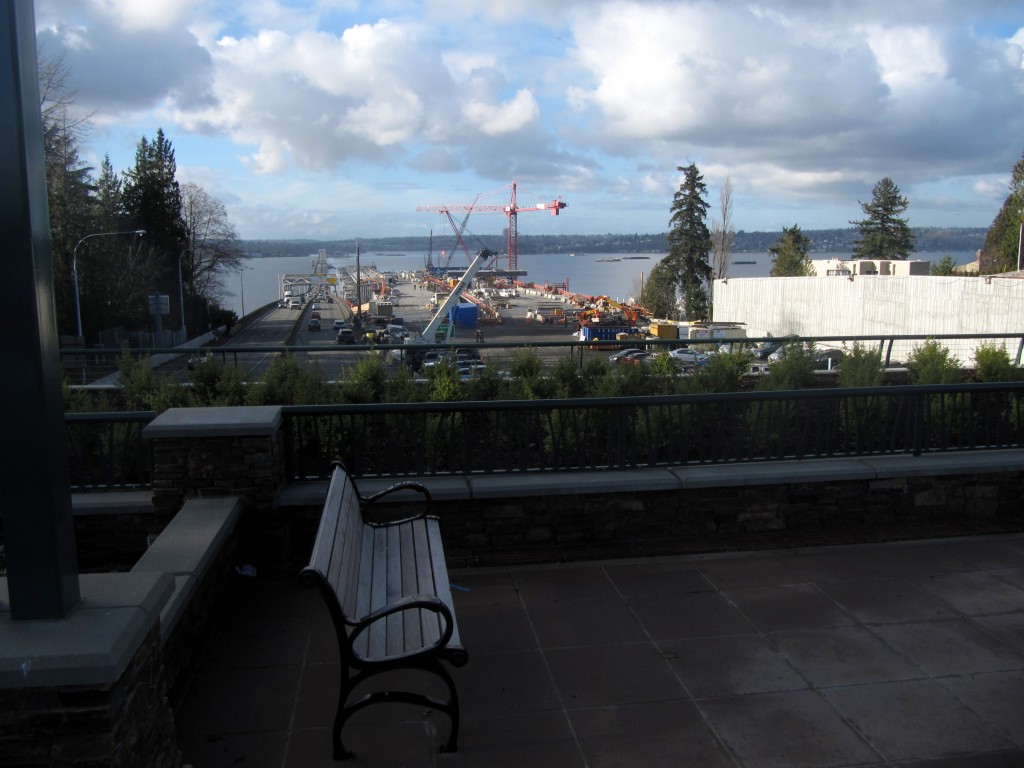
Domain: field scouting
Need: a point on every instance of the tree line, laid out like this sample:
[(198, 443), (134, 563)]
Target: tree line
[(679, 286), (838, 240), (117, 238)]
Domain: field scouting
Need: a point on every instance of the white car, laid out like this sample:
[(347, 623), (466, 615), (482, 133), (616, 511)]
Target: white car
[(688, 356)]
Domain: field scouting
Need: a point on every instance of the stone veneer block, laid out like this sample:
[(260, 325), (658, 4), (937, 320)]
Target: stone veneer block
[(772, 473), (94, 643), (250, 421), (516, 484)]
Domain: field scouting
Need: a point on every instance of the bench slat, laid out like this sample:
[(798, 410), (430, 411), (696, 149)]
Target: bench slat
[(430, 622)]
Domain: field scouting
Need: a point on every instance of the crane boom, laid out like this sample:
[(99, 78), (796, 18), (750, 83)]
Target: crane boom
[(511, 211), (435, 322)]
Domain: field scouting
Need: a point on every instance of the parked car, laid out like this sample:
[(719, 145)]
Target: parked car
[(314, 324), (765, 349), (688, 356), (624, 354), (346, 336), (828, 359)]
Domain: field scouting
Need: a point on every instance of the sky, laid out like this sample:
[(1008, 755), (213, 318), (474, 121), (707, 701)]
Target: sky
[(332, 119)]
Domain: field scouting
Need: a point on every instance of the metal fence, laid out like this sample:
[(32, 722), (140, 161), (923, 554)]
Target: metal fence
[(422, 439), (106, 451)]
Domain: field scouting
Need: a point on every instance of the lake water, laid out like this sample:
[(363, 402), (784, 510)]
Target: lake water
[(258, 284)]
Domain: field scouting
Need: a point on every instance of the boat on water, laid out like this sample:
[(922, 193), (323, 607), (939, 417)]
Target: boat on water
[(634, 258), (745, 262), (609, 259)]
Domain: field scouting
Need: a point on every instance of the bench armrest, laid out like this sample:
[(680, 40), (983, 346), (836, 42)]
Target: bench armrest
[(409, 602), (368, 501)]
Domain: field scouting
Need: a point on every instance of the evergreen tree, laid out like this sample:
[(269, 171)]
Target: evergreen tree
[(690, 244), (1002, 242), (790, 254), (152, 201), (883, 234), (659, 296)]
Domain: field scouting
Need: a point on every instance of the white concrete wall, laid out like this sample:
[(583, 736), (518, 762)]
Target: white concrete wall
[(875, 304)]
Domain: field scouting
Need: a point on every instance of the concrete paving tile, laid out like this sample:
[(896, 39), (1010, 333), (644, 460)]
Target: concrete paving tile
[(652, 735), (829, 565), (886, 601), (240, 700), (495, 627), (601, 621), (890, 716), (317, 698), (949, 647), (755, 570), (658, 578), (259, 642), (604, 675), (503, 683), (1008, 627), (563, 583), (842, 656), (1014, 576), (696, 614), (715, 667), (534, 739), (793, 729), (1008, 759), (482, 587), (973, 594), (917, 559), (406, 741), (793, 606), (259, 750), (988, 552), (997, 698)]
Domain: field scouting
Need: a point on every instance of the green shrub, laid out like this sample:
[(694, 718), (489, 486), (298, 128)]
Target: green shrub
[(931, 363), (992, 363), (722, 373), (793, 370), (862, 367)]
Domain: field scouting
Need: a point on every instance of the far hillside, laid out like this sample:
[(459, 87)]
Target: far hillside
[(929, 240)]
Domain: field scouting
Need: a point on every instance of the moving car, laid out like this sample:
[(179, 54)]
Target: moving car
[(346, 336), (339, 324), (314, 324)]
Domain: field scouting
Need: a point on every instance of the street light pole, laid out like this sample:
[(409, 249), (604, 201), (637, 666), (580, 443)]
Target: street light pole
[(74, 271), (241, 280)]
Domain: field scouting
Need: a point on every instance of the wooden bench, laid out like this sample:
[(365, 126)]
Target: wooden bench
[(386, 586)]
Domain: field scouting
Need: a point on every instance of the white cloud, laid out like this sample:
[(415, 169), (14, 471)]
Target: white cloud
[(801, 104)]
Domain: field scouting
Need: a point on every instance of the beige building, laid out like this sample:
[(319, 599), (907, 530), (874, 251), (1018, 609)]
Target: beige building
[(877, 299)]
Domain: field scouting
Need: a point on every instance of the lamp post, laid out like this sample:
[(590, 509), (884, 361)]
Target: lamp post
[(74, 270), (241, 280)]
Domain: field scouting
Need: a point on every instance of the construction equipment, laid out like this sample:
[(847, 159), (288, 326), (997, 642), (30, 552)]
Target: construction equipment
[(511, 212), (432, 329)]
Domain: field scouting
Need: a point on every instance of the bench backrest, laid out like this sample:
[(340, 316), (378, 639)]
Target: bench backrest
[(337, 550)]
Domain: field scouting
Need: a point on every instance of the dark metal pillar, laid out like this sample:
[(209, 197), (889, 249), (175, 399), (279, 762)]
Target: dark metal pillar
[(35, 497)]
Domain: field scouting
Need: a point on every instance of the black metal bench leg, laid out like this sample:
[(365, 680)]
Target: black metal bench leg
[(346, 710)]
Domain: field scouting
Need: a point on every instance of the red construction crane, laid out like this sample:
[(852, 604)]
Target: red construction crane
[(511, 211)]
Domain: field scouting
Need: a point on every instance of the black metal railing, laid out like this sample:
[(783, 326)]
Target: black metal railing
[(106, 451), (422, 439)]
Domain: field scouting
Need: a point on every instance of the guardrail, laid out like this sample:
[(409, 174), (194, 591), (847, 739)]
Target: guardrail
[(460, 438), (884, 344), (106, 451)]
